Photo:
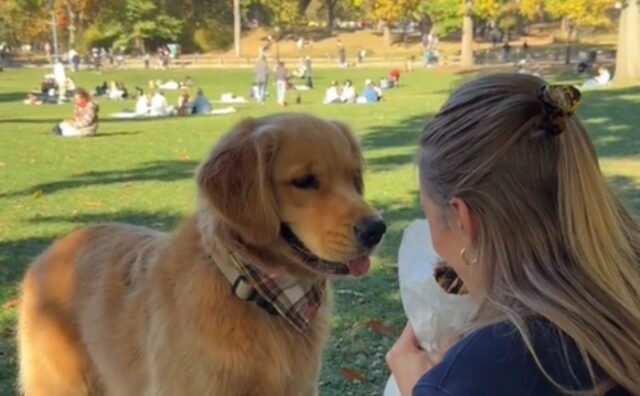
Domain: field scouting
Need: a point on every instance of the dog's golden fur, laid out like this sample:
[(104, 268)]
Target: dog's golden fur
[(121, 310)]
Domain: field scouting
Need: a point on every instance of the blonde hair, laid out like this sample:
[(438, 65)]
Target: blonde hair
[(553, 240)]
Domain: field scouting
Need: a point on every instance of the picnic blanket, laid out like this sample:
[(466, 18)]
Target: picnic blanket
[(133, 115)]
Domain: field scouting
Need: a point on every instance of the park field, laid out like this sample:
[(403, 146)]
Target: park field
[(141, 172)]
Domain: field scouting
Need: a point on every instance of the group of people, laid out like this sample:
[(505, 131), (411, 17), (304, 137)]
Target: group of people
[(156, 104), (371, 91), (54, 89), (281, 75), (115, 90)]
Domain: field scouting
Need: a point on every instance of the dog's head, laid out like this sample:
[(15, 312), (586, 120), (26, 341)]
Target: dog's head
[(296, 179)]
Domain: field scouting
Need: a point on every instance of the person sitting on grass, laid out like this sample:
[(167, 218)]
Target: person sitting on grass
[(143, 103), (520, 210), (85, 117), (385, 83), (394, 76), (348, 92), (187, 83), (332, 95), (601, 80), (101, 90), (201, 104), (370, 94), (159, 105), (184, 105)]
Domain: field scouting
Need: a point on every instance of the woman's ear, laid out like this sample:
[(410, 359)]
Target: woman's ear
[(236, 182), (463, 218)]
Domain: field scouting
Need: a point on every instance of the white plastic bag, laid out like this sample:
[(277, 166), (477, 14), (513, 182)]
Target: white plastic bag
[(431, 311)]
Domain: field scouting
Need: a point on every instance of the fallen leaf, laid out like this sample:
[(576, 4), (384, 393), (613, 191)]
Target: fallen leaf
[(380, 327), (90, 204), (37, 194), (12, 304), (352, 375)]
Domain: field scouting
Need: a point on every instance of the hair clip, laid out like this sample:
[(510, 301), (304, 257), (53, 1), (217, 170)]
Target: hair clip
[(559, 101)]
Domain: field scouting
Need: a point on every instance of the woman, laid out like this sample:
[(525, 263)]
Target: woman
[(282, 82), (332, 95), (184, 104), (348, 92), (518, 207), (85, 117), (201, 105)]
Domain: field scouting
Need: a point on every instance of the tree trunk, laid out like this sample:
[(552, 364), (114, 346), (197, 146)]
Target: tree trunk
[(386, 33), (628, 50), (564, 25), (139, 44), (466, 56), (567, 55), (236, 27), (73, 22), (330, 5)]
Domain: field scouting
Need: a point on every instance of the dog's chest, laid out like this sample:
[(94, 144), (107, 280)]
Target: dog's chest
[(224, 346)]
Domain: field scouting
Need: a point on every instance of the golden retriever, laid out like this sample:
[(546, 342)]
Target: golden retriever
[(127, 311)]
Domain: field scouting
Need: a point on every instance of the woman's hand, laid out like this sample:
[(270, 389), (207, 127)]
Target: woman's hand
[(409, 362)]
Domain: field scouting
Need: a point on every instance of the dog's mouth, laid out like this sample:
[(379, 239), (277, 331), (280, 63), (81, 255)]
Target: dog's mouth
[(357, 267)]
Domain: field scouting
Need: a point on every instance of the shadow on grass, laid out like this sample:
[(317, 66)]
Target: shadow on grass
[(629, 190), (160, 221), (12, 96), (156, 171), (112, 134), (404, 134), (612, 121), (103, 120)]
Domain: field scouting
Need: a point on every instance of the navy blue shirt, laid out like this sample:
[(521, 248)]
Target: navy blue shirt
[(494, 361)]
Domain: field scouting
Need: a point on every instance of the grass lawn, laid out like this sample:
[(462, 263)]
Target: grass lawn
[(141, 172)]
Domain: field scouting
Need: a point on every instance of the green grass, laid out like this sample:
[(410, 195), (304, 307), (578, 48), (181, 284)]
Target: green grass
[(141, 172)]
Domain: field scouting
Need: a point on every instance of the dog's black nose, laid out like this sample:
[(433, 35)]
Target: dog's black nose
[(369, 231)]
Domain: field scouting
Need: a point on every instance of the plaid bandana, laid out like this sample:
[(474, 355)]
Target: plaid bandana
[(295, 300)]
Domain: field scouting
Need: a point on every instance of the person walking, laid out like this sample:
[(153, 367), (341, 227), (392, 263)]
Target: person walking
[(261, 79), (282, 82)]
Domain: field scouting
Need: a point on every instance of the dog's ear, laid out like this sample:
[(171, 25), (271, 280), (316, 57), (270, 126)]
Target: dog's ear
[(356, 151), (236, 180)]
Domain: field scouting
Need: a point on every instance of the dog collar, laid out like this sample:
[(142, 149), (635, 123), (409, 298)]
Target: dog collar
[(296, 301), (241, 287)]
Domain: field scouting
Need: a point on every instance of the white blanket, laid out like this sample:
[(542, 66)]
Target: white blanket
[(228, 98), (132, 115)]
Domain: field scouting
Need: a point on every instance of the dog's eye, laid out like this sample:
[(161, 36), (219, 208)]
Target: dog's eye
[(308, 182)]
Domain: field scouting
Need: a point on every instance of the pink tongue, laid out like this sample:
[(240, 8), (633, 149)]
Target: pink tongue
[(359, 266)]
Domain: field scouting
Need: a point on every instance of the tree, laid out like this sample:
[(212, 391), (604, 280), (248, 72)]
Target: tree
[(628, 51), (27, 20), (72, 15), (387, 12), (466, 53), (576, 13), (284, 13), (443, 16), (330, 7), (139, 21)]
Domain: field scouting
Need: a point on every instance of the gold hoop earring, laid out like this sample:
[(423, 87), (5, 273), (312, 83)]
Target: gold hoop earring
[(463, 256)]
